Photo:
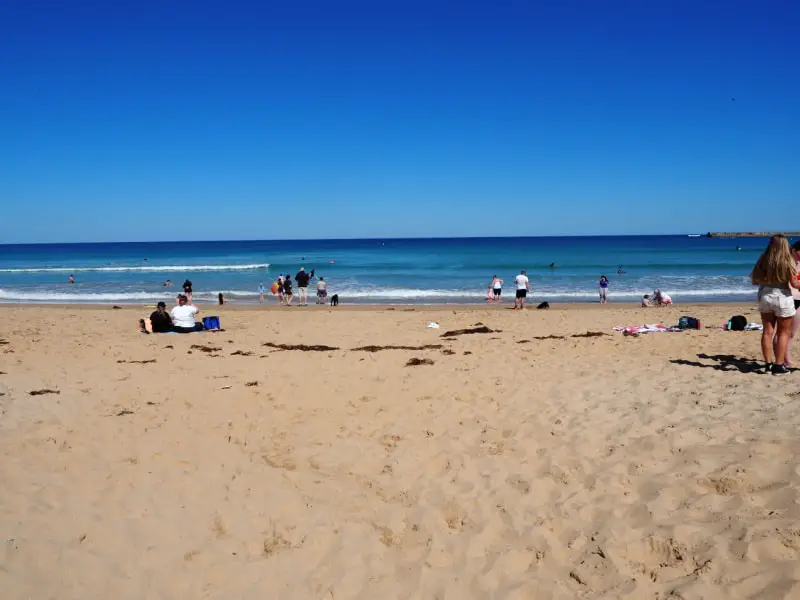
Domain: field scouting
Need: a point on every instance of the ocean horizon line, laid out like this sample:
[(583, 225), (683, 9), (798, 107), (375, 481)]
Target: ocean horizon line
[(367, 239)]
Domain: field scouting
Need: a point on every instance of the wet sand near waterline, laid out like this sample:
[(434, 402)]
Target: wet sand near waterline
[(360, 454)]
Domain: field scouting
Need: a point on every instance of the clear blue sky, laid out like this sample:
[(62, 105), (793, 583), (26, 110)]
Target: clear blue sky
[(261, 120)]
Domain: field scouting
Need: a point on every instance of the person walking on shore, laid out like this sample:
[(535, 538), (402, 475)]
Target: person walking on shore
[(775, 274), (261, 290), (523, 287), (603, 289)]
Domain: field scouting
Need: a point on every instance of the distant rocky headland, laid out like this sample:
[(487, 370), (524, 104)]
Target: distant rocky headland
[(743, 234)]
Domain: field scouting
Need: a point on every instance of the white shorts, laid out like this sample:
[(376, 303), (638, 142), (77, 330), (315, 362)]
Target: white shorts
[(776, 301)]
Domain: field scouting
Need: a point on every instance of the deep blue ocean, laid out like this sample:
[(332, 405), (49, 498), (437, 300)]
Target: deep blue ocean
[(399, 271)]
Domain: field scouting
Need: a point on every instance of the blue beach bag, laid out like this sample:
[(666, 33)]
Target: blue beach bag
[(211, 323)]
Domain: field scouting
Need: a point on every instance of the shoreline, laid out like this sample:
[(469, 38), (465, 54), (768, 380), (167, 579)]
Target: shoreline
[(238, 306)]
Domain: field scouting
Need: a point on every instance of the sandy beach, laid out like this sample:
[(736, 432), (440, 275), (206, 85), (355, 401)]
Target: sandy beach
[(504, 466)]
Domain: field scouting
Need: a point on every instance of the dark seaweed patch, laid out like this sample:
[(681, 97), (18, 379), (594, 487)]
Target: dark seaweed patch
[(413, 362), (300, 347), (470, 331), (206, 349), (379, 348)]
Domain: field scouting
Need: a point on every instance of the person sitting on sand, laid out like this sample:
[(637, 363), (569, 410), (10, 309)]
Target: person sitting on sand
[(646, 301), (160, 320), (183, 316)]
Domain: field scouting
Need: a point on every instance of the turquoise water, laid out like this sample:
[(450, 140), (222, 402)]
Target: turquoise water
[(430, 271)]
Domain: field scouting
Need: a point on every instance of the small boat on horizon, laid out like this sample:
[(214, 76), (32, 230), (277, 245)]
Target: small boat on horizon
[(695, 235)]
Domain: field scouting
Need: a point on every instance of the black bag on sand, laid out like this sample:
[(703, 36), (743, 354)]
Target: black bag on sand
[(688, 323), (737, 323)]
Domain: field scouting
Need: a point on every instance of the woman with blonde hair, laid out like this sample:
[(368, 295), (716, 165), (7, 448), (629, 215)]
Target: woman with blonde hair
[(775, 274)]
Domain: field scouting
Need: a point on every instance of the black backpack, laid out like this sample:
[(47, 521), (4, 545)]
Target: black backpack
[(737, 323), (688, 323)]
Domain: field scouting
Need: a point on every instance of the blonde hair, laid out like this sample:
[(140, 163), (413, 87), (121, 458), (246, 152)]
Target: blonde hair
[(776, 266)]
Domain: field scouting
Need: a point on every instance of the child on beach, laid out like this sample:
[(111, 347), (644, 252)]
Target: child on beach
[(661, 299), (775, 274)]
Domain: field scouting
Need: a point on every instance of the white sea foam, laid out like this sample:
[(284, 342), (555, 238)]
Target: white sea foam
[(401, 295), (140, 269), (41, 296)]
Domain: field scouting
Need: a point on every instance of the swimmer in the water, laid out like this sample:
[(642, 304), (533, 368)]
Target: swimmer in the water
[(620, 271), (552, 265)]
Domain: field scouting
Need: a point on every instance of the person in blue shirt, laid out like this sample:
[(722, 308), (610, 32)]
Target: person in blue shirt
[(603, 289)]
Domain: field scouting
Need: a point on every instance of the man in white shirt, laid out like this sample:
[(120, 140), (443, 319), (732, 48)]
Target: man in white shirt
[(523, 287), (183, 316)]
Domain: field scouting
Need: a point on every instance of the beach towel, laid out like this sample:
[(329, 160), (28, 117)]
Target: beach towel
[(648, 328)]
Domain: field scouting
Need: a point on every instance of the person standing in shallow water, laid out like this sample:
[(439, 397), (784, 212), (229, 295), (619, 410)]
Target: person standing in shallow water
[(603, 289), (71, 278), (287, 289), (495, 289), (302, 278), (322, 291)]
